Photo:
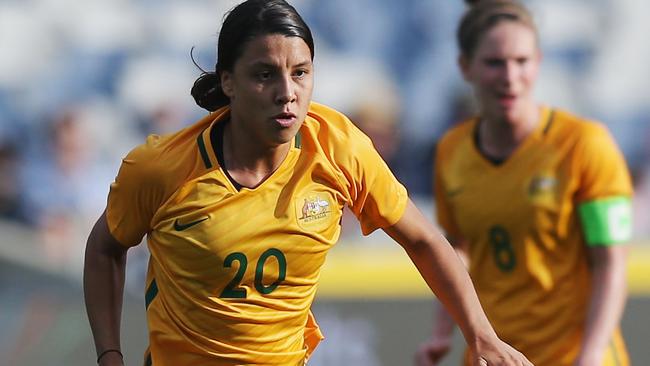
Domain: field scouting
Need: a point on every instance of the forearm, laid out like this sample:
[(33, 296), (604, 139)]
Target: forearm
[(104, 272), (608, 296), (444, 324), (451, 283)]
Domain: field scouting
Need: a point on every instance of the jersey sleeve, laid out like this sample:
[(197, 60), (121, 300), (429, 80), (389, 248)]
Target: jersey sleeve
[(313, 335), (134, 196), (604, 196), (378, 199)]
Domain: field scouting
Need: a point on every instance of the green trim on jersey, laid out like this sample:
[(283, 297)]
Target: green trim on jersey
[(150, 294), (606, 221), (147, 360), (549, 122), (203, 151), (298, 143)]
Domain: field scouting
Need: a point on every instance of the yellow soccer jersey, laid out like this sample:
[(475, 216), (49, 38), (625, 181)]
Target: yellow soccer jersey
[(527, 247), (233, 272)]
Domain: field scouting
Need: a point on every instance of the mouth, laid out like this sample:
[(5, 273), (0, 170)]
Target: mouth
[(506, 99), (285, 119)]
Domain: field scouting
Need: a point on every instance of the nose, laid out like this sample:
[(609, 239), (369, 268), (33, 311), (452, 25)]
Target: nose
[(286, 92), (509, 72)]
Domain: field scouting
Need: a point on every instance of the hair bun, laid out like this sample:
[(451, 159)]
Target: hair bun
[(207, 92)]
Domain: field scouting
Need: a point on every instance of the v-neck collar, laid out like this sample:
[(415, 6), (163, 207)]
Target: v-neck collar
[(546, 119), (210, 145), (216, 138)]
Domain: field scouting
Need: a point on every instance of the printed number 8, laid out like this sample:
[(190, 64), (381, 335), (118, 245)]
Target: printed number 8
[(233, 290), (504, 254)]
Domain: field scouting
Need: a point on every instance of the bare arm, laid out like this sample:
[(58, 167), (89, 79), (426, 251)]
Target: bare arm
[(432, 351), (104, 269), (445, 274), (444, 324), (608, 296)]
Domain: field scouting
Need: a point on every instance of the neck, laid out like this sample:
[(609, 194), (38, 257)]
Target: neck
[(499, 137), (250, 164)]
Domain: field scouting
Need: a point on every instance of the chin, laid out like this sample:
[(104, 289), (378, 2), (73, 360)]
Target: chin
[(284, 137), (511, 112)]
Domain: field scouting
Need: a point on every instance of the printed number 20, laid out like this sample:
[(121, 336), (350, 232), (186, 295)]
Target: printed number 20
[(504, 254), (233, 290)]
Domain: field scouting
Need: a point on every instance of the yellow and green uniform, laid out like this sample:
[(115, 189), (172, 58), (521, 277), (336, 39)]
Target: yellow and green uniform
[(529, 222), (233, 271)]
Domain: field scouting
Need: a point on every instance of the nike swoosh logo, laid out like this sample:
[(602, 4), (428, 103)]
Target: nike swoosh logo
[(180, 227)]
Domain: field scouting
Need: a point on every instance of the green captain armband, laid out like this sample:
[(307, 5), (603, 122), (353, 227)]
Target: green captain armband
[(606, 221)]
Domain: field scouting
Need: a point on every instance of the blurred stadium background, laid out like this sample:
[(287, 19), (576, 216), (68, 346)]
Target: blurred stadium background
[(81, 82)]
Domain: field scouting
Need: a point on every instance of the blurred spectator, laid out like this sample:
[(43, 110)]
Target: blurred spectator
[(10, 193), (12, 139), (155, 91), (381, 125), (65, 184), (370, 97)]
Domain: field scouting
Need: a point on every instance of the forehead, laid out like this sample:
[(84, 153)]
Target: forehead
[(275, 49), (507, 38)]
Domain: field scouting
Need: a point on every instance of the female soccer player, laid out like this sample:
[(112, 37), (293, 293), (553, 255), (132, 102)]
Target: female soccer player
[(241, 208), (536, 200)]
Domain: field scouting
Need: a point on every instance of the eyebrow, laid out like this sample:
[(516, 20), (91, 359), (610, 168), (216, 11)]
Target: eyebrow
[(274, 66), (304, 63)]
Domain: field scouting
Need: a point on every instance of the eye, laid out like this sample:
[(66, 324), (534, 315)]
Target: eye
[(522, 60), (494, 62), (264, 75), (300, 73)]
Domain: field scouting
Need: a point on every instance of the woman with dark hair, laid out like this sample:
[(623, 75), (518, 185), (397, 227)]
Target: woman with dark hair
[(241, 208), (537, 201)]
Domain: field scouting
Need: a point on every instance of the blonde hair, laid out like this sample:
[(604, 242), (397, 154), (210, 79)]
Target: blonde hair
[(485, 14)]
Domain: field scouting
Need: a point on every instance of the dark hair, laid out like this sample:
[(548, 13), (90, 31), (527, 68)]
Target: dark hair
[(483, 15), (243, 23)]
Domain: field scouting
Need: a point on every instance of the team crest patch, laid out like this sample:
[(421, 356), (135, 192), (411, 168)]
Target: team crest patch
[(313, 209), (542, 190), (541, 185)]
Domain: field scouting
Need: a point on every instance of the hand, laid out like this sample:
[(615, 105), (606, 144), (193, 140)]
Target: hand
[(495, 352), (433, 351)]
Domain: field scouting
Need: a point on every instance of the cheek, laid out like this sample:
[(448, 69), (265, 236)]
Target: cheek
[(480, 76), (487, 79), (308, 93), (306, 87), (304, 92), (528, 78)]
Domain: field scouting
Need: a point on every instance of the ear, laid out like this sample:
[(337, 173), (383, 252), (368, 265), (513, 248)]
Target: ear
[(463, 64), (227, 83)]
